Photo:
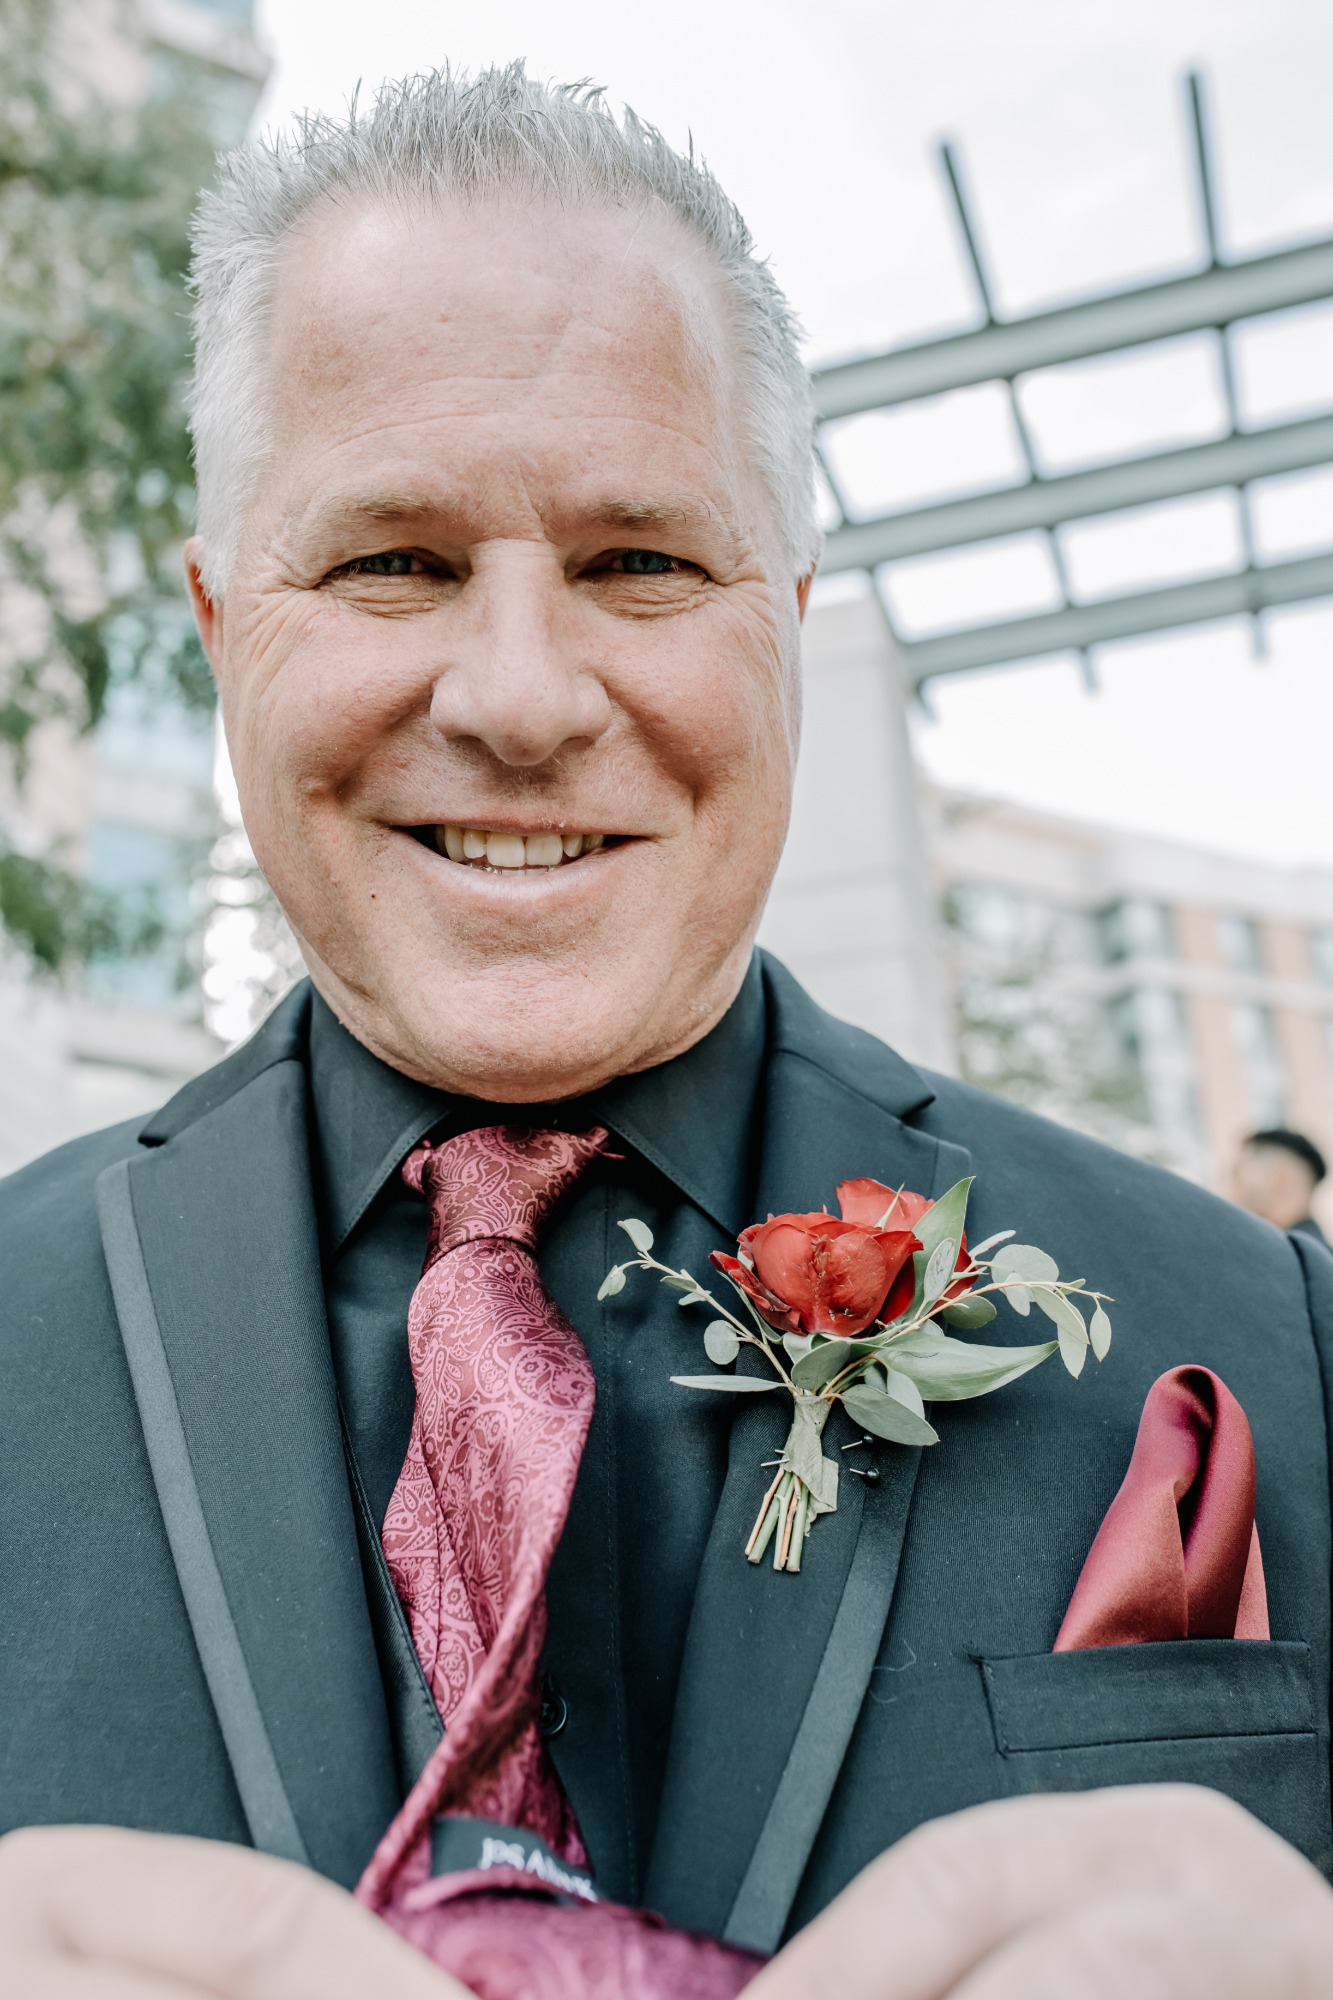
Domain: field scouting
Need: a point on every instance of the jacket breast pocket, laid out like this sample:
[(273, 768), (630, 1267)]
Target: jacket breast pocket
[(1237, 1715)]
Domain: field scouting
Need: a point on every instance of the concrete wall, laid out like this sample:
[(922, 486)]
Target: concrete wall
[(850, 912)]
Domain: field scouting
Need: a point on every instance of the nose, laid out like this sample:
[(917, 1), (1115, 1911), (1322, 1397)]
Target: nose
[(516, 679)]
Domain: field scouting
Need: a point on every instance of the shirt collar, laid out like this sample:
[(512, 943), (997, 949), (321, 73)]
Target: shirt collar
[(693, 1118)]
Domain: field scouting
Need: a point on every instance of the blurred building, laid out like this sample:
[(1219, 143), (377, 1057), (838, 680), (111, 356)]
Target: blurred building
[(133, 803), (1169, 998)]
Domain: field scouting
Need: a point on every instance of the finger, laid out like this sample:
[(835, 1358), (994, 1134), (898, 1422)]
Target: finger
[(215, 1919), (1148, 1948), (44, 1978), (940, 1902)]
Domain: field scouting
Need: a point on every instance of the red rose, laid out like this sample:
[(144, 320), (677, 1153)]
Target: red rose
[(871, 1203), (819, 1274)]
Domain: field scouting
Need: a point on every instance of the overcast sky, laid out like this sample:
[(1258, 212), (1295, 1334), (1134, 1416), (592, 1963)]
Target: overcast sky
[(822, 117)]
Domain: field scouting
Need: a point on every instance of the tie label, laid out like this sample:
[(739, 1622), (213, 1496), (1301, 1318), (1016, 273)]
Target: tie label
[(459, 1843)]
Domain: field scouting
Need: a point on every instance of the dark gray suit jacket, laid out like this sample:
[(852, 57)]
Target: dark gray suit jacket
[(185, 1637)]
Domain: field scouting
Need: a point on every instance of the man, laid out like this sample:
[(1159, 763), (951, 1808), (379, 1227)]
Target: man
[(1277, 1173), (505, 537)]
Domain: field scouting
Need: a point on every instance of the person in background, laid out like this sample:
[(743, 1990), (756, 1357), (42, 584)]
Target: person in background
[(1276, 1176)]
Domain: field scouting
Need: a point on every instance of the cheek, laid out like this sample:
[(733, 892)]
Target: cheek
[(321, 691), (726, 709)]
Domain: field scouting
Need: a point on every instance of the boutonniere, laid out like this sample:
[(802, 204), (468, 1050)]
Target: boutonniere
[(852, 1308)]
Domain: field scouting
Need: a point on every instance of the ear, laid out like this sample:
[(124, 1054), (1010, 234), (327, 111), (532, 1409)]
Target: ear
[(207, 610), (803, 594)]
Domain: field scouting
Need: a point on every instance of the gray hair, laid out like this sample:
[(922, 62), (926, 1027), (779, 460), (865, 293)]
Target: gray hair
[(451, 135)]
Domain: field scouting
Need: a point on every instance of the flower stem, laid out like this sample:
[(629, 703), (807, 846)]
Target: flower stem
[(793, 1507), (801, 1527), (762, 1520)]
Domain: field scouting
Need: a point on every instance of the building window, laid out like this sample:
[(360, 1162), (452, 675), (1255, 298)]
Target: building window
[(1321, 956), (1261, 1063), (234, 10), (1155, 1033), (1137, 929), (1001, 921), (1242, 947)]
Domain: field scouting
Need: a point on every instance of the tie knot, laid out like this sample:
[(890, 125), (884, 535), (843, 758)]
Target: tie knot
[(499, 1181)]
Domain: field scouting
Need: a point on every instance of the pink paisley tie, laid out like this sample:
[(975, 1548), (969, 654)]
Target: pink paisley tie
[(505, 1395)]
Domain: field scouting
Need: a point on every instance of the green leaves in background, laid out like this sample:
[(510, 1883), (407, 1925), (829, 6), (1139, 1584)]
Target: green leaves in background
[(96, 483)]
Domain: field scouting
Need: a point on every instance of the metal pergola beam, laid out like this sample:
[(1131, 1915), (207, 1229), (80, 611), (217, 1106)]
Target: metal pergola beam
[(1074, 496), (1205, 301), (1083, 625)]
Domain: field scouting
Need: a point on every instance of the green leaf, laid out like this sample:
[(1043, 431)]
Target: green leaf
[(798, 1345), (945, 1218), (1100, 1333), (881, 1414), (825, 1495), (747, 1385), (1020, 1298), (1073, 1352), (822, 1363), (969, 1312), (803, 1452), (695, 1298), (954, 1371), (904, 1390), (939, 1269), (989, 1242), (613, 1282), (721, 1343), (639, 1234), (1069, 1325), (677, 1281), (1025, 1262)]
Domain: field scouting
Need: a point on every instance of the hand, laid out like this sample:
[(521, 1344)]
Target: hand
[(95, 1913), (1153, 1892)]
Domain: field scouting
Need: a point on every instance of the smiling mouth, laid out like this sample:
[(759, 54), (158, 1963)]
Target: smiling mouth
[(503, 853)]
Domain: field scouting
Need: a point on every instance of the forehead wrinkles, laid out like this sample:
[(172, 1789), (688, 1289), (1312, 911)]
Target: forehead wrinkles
[(377, 301)]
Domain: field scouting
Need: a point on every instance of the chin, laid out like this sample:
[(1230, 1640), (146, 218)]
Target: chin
[(512, 1040), (545, 1021), (506, 1069)]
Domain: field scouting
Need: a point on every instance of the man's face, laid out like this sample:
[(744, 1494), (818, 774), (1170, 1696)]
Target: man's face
[(510, 574), (1272, 1182)]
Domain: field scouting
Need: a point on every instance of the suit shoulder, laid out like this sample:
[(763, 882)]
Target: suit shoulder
[(52, 1189), (1065, 1167)]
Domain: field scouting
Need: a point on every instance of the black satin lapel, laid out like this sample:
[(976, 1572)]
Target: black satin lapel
[(776, 1666), (226, 1228)]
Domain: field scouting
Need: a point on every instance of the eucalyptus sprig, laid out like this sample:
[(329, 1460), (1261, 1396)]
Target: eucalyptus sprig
[(885, 1373)]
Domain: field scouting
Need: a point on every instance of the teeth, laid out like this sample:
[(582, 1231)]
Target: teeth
[(514, 850), (506, 850)]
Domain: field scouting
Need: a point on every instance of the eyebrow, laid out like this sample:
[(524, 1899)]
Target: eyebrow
[(630, 516)]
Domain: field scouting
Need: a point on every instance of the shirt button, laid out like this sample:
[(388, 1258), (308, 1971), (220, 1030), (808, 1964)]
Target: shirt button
[(554, 1711)]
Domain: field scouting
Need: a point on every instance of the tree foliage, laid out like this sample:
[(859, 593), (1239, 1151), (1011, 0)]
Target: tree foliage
[(95, 477), (1028, 1031)]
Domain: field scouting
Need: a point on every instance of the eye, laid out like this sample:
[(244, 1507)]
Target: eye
[(388, 562), (644, 562)]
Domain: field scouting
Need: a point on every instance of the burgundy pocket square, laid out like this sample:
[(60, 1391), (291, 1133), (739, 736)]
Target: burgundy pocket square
[(1177, 1556)]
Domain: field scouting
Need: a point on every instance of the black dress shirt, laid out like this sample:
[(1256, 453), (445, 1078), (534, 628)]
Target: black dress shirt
[(622, 1583)]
